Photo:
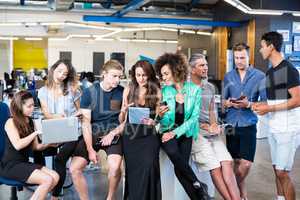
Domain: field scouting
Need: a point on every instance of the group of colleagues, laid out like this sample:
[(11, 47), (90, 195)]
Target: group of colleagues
[(183, 122)]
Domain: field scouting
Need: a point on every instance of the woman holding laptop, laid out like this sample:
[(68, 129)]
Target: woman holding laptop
[(20, 139), (140, 141), (179, 119), (60, 98)]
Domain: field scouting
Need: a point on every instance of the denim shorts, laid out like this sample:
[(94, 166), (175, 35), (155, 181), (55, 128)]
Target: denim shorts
[(283, 147)]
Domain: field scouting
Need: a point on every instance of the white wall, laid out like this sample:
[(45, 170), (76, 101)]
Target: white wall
[(4, 57), (82, 51)]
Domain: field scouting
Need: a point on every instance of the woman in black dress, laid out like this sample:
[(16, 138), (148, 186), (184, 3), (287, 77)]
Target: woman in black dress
[(140, 141), (20, 139)]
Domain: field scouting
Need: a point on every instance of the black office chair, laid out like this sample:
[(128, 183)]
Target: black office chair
[(15, 185)]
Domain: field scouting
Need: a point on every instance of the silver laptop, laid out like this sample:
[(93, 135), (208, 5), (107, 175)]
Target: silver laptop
[(58, 130)]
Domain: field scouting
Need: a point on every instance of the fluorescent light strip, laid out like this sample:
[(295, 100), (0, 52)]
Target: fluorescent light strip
[(187, 31), (33, 38), (296, 14), (9, 38), (52, 23), (157, 41), (264, 12), (203, 33), (139, 40), (169, 29), (246, 9), (172, 41), (12, 24), (31, 23)]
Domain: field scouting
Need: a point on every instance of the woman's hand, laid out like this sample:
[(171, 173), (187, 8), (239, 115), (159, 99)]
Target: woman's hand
[(78, 114), (167, 136), (125, 108), (53, 145), (179, 98), (162, 110), (148, 121)]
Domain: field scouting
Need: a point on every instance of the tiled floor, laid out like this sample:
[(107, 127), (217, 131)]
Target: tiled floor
[(260, 182)]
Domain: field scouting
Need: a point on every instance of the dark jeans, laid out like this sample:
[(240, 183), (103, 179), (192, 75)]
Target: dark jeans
[(179, 150)]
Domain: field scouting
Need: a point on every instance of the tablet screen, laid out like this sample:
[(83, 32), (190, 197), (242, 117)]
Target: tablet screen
[(137, 114)]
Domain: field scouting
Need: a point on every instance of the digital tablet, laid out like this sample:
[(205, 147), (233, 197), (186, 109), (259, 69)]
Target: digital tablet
[(137, 114)]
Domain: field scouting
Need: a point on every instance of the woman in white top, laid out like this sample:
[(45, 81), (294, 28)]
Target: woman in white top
[(60, 98)]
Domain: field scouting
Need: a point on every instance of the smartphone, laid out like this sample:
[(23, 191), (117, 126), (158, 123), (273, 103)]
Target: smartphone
[(163, 103), (114, 141), (238, 99)]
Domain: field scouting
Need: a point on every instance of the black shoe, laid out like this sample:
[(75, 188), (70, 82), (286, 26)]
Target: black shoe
[(201, 189)]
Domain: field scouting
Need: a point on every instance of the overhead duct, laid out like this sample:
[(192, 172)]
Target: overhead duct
[(61, 5)]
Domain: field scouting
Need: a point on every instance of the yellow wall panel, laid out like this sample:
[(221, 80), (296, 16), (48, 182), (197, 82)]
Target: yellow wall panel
[(30, 54)]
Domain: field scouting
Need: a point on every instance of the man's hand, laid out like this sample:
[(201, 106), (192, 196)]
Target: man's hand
[(214, 129), (243, 103), (167, 136), (93, 156), (261, 108), (106, 140)]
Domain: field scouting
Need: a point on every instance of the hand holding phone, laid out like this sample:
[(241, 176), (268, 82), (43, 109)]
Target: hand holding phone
[(238, 99), (163, 108)]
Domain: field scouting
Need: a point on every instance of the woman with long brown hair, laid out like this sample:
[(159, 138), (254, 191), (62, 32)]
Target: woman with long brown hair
[(60, 98), (140, 141), (20, 140)]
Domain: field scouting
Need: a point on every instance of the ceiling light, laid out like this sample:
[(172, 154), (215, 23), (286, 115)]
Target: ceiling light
[(31, 24), (203, 33), (157, 41), (265, 12), (52, 23), (169, 29), (243, 9), (233, 3), (139, 40), (187, 31), (9, 38), (296, 14), (172, 41), (11, 24), (33, 38)]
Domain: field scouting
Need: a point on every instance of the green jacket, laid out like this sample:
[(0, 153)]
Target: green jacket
[(192, 105)]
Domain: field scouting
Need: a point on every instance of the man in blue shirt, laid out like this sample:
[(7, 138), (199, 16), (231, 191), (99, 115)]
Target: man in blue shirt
[(100, 106), (242, 86)]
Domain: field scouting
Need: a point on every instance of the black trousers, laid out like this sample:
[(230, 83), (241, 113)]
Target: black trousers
[(179, 150), (60, 161)]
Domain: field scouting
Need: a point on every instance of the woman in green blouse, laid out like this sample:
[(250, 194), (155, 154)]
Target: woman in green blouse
[(179, 113)]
